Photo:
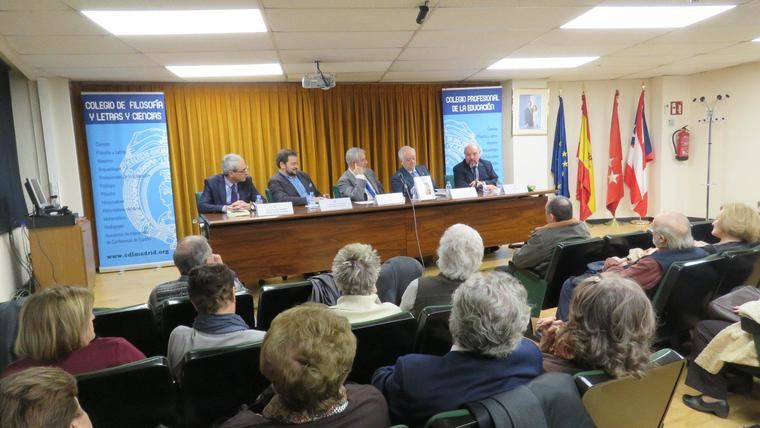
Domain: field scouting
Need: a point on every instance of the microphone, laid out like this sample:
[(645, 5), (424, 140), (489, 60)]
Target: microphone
[(414, 218)]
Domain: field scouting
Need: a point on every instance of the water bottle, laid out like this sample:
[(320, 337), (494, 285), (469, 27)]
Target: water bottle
[(310, 199), (448, 190), (259, 199)]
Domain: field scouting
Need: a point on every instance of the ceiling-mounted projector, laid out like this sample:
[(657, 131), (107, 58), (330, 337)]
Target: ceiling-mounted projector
[(318, 79)]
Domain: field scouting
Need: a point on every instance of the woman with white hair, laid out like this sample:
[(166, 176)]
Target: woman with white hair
[(489, 356), (460, 253), (355, 270)]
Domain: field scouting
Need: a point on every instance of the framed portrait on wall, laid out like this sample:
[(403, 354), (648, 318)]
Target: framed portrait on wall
[(530, 111)]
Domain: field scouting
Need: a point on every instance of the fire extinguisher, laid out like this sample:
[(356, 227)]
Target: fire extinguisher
[(681, 144)]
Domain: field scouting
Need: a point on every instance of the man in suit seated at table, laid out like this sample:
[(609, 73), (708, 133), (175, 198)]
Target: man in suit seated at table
[(403, 179), (474, 171), (359, 182), (290, 184), (489, 354), (233, 189), (191, 251)]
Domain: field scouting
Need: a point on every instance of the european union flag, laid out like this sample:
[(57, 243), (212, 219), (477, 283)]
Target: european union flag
[(559, 158)]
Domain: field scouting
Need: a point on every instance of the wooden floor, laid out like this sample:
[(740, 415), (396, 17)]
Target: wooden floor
[(118, 289)]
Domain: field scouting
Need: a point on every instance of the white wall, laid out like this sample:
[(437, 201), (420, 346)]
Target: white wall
[(736, 140)]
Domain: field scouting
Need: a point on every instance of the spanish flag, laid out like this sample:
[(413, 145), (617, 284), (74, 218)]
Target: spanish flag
[(584, 191)]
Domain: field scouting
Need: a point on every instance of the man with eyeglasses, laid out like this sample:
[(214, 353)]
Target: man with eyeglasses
[(232, 190)]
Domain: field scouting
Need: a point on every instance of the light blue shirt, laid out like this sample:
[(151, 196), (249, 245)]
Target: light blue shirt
[(297, 184)]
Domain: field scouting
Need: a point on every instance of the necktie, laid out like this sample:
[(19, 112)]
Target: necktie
[(234, 194), (476, 172), (298, 185), (370, 190), (414, 173)]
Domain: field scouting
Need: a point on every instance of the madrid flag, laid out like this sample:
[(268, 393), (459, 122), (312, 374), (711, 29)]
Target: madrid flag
[(584, 191), (639, 154), (615, 170)]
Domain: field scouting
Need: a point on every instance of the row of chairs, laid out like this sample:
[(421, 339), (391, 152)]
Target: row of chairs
[(216, 381)]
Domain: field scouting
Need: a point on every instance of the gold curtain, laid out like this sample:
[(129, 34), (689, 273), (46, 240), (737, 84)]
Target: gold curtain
[(206, 121)]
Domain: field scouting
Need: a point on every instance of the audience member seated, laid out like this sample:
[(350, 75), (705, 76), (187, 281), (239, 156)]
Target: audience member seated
[(560, 226), (611, 328), (216, 325), (489, 355), (460, 253), (307, 355), (737, 226), (290, 184), (191, 251), (55, 329), (671, 235), (358, 182), (233, 189), (355, 270), (41, 397), (716, 343), (9, 312)]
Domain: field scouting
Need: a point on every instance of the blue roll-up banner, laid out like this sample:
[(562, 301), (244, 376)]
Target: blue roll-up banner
[(472, 115), (131, 178)]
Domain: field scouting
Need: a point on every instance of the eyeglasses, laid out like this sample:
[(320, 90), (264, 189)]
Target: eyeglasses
[(241, 171)]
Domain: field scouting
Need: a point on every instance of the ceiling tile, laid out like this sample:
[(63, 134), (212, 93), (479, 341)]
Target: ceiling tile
[(214, 58), (68, 44), (462, 53), (339, 4), (342, 40), (437, 65), (47, 23), (18, 5), (281, 20), (679, 50), (595, 38), (115, 74), (537, 50), (201, 43), (501, 18), (492, 39), (337, 67), (709, 34), (338, 55), (500, 75), (162, 4), (427, 76), (95, 61)]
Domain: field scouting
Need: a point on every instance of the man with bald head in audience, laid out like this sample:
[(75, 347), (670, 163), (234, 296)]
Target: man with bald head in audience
[(671, 235), (191, 251)]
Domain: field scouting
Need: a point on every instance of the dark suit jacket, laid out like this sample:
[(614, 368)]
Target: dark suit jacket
[(419, 386), (463, 174), (351, 187), (284, 191), (403, 176), (214, 196)]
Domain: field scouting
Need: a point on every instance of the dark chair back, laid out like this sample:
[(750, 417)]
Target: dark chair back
[(395, 275), (274, 299), (737, 269), (181, 311), (336, 192), (702, 231), (379, 343), (461, 418), (681, 298), (138, 394), (268, 194), (433, 336), (570, 259), (620, 245), (133, 323), (217, 381)]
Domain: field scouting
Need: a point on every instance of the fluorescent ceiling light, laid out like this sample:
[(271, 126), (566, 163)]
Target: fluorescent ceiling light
[(537, 63), (644, 16), (756, 40), (239, 70), (172, 22)]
